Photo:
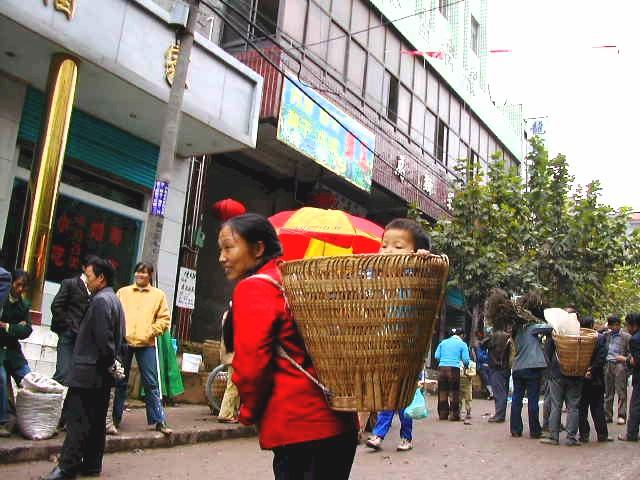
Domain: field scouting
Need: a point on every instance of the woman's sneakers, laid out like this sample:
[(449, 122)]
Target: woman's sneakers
[(404, 445), (374, 442)]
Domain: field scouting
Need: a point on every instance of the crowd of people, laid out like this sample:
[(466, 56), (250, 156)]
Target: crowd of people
[(99, 332), (526, 353), (272, 382)]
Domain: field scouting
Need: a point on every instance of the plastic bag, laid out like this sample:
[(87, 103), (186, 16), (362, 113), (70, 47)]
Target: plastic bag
[(417, 410), (37, 382), (38, 413)]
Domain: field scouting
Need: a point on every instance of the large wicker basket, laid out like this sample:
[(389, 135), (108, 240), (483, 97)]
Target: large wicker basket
[(367, 321), (575, 352)]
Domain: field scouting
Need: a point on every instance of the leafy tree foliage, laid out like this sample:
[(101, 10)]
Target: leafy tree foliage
[(540, 234)]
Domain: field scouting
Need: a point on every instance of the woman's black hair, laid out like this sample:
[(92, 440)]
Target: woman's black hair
[(20, 274), (421, 240), (254, 228), (146, 267), (632, 318)]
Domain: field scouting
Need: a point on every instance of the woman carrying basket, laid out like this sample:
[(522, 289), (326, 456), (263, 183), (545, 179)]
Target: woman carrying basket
[(308, 439)]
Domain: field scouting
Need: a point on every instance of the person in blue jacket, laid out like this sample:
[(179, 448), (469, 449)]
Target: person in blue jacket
[(449, 354)]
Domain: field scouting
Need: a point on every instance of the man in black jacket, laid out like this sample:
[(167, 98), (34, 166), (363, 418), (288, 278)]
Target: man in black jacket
[(593, 391), (67, 309), (91, 376), (633, 361)]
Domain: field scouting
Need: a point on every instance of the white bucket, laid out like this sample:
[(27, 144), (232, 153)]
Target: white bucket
[(191, 362)]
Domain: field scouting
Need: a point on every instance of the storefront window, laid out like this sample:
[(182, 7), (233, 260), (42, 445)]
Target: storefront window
[(337, 48), (79, 229), (341, 12), (357, 59), (375, 81), (376, 36), (317, 31), (294, 16)]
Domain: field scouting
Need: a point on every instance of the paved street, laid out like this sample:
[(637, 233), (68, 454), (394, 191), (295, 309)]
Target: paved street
[(440, 449)]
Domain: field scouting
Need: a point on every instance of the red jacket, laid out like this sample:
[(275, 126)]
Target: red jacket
[(287, 407)]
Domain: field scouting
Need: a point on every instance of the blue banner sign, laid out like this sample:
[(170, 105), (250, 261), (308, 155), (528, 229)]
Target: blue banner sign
[(311, 130)]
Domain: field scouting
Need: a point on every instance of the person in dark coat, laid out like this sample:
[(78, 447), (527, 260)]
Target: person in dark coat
[(67, 309), (15, 325), (5, 285), (91, 376), (633, 362), (593, 391)]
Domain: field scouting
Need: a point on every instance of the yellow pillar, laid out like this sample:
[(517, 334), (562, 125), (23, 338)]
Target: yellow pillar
[(47, 169)]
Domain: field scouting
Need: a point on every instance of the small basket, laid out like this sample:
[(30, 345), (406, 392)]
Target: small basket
[(211, 354), (575, 352), (367, 321), (220, 385)]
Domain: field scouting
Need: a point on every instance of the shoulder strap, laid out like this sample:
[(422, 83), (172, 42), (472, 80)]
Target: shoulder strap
[(268, 278), (282, 353)]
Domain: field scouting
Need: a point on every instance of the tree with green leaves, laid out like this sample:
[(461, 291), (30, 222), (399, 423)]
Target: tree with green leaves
[(487, 234), (545, 234)]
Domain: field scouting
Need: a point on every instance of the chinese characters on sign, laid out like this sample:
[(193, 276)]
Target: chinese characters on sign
[(68, 7), (81, 229), (186, 293), (159, 198), (312, 130), (401, 168)]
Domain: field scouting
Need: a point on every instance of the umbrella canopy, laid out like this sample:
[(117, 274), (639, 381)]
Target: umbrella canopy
[(315, 232)]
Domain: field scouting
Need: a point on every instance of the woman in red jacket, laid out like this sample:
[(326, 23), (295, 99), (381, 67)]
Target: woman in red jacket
[(308, 439)]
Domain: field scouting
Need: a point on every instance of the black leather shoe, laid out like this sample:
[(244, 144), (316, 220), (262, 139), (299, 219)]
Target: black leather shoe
[(57, 474)]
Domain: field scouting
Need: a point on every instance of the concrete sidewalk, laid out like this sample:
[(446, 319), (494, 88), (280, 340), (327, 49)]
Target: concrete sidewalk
[(190, 423)]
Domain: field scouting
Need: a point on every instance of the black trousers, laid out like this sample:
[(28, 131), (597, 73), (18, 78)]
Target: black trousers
[(449, 393), (85, 414), (634, 413), (327, 459), (592, 398)]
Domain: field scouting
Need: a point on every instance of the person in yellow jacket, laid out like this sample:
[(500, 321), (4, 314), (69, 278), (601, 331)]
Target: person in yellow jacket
[(146, 317)]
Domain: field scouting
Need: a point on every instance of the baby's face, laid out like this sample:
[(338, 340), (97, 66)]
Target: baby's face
[(397, 241)]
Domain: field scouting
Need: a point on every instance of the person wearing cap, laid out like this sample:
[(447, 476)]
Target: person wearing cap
[(615, 371), (450, 352)]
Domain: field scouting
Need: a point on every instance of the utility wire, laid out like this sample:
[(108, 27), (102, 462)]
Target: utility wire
[(330, 114), (320, 79)]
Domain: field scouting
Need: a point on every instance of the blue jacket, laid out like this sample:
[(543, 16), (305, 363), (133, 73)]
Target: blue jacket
[(451, 352)]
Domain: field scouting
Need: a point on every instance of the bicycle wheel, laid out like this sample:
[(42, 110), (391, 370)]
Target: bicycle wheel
[(212, 393)]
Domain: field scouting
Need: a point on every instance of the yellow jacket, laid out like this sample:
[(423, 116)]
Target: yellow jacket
[(146, 314)]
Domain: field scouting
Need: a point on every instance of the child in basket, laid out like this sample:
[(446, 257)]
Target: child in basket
[(402, 235)]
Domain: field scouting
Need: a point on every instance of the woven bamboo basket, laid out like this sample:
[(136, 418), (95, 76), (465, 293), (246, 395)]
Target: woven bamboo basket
[(367, 321), (211, 353), (220, 385), (575, 352)]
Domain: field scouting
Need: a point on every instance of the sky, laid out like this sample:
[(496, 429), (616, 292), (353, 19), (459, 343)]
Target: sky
[(590, 96)]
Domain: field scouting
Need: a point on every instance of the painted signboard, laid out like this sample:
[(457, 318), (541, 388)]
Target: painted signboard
[(344, 147)]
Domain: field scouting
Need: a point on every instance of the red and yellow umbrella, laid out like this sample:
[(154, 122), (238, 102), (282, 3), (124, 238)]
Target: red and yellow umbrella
[(315, 232)]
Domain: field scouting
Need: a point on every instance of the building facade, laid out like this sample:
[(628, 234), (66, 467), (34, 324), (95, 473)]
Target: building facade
[(122, 52), (369, 112)]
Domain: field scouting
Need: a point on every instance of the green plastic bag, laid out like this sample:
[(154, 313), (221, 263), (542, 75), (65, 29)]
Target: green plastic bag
[(417, 410)]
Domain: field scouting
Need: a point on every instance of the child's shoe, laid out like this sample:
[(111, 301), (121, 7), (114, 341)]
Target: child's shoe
[(374, 442), (404, 445)]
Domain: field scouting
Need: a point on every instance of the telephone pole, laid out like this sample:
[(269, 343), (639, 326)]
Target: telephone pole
[(169, 140)]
